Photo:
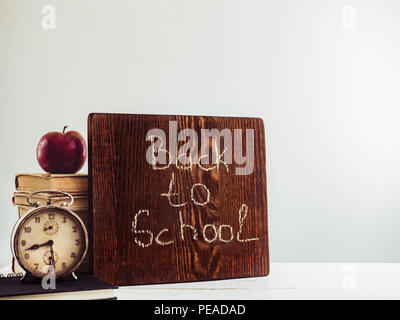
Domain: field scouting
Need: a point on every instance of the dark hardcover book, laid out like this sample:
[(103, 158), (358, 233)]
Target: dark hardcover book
[(87, 287)]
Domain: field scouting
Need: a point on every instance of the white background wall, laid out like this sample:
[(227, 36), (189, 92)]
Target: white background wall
[(327, 88)]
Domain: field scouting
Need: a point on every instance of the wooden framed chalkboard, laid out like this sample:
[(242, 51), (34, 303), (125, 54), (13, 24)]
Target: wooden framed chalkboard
[(177, 198)]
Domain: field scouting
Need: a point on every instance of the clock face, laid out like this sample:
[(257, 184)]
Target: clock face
[(50, 237)]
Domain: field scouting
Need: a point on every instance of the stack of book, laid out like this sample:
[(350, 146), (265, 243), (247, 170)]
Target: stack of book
[(74, 184)]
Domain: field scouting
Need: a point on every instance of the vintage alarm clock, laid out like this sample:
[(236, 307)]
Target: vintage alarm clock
[(49, 235)]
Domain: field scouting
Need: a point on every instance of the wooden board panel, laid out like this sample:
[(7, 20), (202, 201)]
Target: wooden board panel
[(161, 216)]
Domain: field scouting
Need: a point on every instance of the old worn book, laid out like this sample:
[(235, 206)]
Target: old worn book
[(83, 213), (20, 198), (177, 198), (87, 287), (72, 183)]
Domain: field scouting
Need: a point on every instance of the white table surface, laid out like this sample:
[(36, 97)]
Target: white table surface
[(286, 281)]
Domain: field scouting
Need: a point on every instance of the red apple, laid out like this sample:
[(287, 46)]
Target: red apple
[(61, 152)]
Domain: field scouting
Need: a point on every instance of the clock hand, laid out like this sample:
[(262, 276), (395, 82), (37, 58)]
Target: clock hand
[(34, 247), (53, 262), (37, 246)]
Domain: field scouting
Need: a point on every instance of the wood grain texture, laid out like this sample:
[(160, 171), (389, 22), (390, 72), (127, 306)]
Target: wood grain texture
[(122, 183)]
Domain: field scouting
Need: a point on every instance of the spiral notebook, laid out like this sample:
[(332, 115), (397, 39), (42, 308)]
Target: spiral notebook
[(87, 287)]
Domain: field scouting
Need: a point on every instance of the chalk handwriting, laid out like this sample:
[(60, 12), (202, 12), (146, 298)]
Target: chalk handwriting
[(184, 227), (191, 152), (197, 203), (163, 243), (134, 226), (242, 217), (170, 193), (186, 158), (215, 233)]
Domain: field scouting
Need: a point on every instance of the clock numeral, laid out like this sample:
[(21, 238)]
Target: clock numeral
[(37, 219), (52, 215), (77, 242), (23, 243), (64, 219), (26, 256), (74, 229), (36, 266), (64, 266), (27, 229), (73, 255)]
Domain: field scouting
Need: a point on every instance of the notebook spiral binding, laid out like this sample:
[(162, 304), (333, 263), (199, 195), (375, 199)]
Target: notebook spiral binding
[(11, 275)]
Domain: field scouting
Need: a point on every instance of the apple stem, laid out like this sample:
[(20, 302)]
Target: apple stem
[(65, 128)]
